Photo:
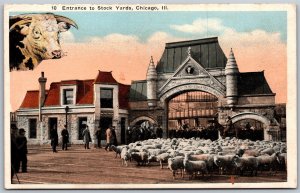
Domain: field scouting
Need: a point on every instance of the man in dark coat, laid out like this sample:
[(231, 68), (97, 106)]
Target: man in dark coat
[(114, 136), (22, 147), (14, 150), (86, 137), (65, 138), (54, 139), (159, 132), (98, 136)]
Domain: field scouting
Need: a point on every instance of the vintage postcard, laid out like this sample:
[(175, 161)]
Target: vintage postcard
[(150, 96)]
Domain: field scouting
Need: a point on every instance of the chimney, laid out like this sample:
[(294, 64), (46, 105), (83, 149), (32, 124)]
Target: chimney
[(42, 92)]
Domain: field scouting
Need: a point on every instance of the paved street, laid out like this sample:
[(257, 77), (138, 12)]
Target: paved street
[(96, 166)]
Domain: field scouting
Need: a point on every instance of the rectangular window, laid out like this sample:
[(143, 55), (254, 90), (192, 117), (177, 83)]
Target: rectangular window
[(32, 128), (81, 122), (106, 98), (68, 96)]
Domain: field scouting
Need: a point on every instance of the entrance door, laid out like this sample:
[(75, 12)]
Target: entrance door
[(191, 113), (52, 123), (81, 122), (105, 122)]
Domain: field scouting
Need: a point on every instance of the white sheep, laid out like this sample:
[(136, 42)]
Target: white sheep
[(194, 167), (223, 162), (249, 163), (269, 161), (117, 150), (176, 163), (162, 158), (125, 156)]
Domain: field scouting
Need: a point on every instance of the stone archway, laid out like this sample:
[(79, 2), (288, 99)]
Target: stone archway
[(254, 116), (251, 115), (167, 95), (190, 87), (143, 118)]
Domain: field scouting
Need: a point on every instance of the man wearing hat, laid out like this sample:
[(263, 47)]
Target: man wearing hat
[(22, 147), (65, 138)]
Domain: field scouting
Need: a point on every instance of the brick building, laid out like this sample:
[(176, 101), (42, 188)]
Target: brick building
[(98, 102)]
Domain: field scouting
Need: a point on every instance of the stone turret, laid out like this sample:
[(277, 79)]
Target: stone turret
[(232, 73), (151, 84)]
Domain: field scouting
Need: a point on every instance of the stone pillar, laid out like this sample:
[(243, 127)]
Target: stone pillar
[(151, 84), (231, 72)]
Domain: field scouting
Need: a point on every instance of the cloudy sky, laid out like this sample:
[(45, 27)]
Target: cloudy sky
[(123, 42)]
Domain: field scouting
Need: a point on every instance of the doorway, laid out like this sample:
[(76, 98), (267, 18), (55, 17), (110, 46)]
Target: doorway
[(52, 123), (82, 121), (105, 122)]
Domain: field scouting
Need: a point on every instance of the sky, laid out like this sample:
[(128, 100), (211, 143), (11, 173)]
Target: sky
[(123, 42)]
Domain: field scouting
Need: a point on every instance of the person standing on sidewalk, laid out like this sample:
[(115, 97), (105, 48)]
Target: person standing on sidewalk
[(86, 137), (114, 137), (98, 137), (22, 147), (54, 139), (65, 138), (108, 138), (14, 153)]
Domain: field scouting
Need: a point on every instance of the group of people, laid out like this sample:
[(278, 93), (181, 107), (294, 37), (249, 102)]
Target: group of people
[(111, 138), (54, 138), (18, 150), (138, 133)]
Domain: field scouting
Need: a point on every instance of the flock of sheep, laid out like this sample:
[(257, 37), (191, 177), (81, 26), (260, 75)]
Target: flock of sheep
[(229, 156)]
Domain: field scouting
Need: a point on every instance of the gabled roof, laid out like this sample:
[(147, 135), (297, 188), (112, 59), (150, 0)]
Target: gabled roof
[(85, 92), (84, 95), (52, 98), (105, 78), (206, 51), (252, 83), (138, 91), (31, 100)]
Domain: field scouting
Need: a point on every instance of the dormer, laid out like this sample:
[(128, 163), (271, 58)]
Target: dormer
[(68, 93)]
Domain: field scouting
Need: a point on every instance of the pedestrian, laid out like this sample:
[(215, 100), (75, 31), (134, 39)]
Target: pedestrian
[(86, 137), (108, 138), (65, 138), (14, 150), (129, 135), (159, 132), (54, 139), (22, 148), (114, 137), (98, 137)]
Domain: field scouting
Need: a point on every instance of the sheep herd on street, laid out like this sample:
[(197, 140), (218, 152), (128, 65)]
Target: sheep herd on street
[(195, 156)]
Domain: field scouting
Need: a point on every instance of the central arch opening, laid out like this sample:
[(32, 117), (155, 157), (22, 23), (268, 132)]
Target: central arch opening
[(190, 113)]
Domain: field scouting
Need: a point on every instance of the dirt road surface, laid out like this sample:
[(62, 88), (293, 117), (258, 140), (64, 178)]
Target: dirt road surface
[(96, 166)]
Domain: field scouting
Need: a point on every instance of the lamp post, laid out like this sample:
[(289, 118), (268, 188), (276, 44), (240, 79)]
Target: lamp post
[(66, 110)]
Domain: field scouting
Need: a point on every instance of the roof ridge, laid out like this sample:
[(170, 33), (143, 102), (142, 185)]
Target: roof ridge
[(189, 42)]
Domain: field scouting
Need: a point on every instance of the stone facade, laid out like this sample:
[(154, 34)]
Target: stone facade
[(240, 95)]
